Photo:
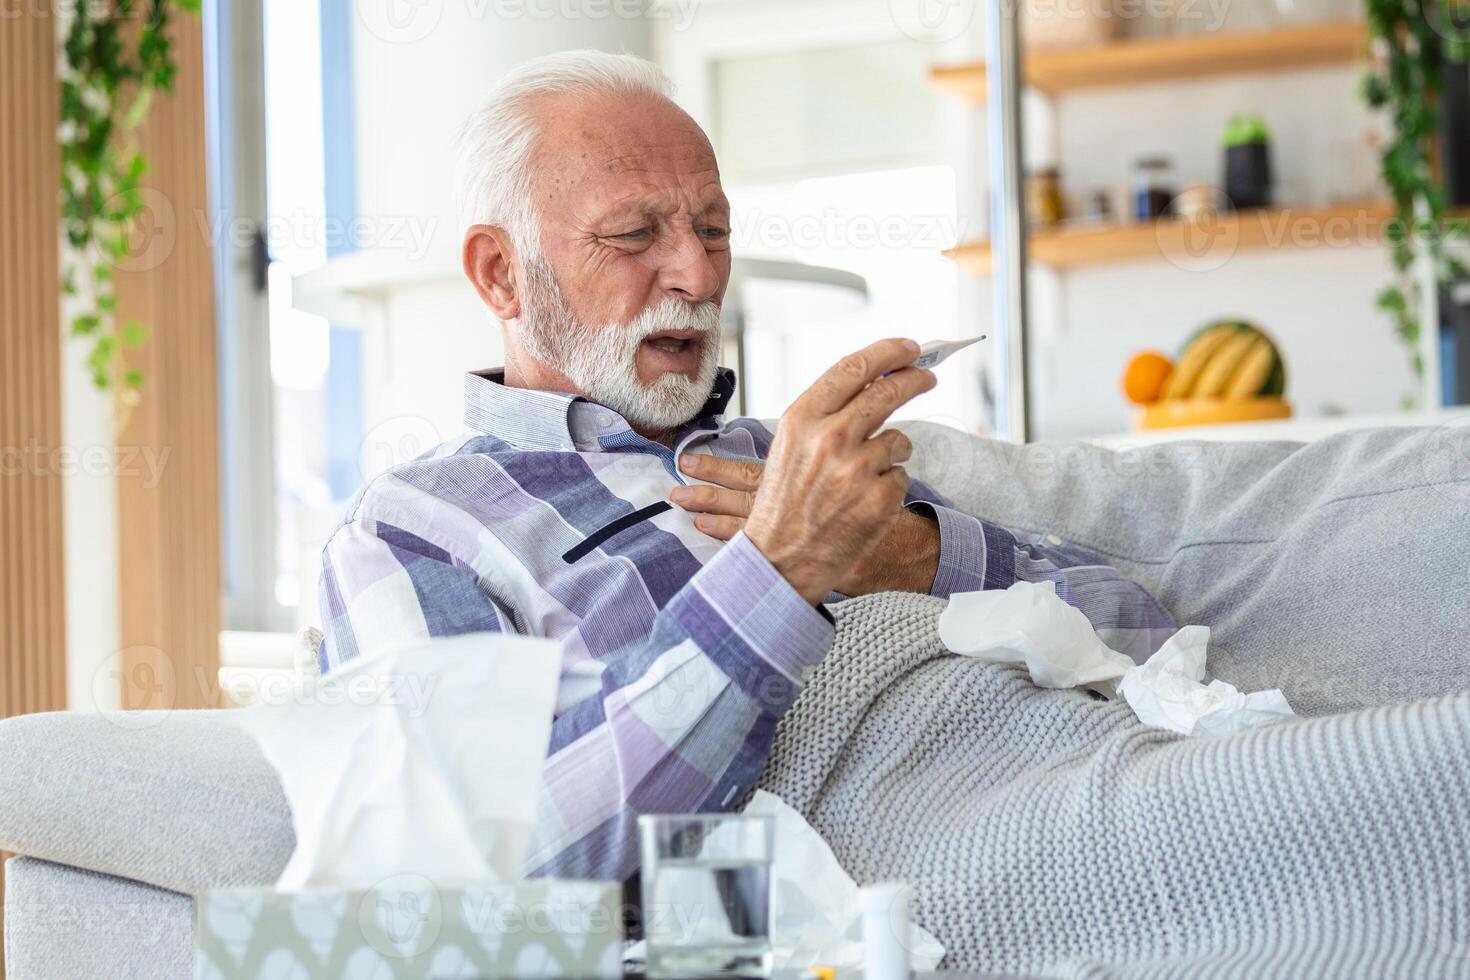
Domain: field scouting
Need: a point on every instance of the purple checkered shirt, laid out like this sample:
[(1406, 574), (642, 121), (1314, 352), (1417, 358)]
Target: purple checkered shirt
[(681, 653)]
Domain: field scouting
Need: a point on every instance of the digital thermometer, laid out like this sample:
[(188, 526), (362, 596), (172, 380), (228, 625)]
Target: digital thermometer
[(935, 351), (938, 350)]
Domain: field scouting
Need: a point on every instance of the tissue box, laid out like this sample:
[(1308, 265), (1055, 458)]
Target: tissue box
[(405, 928)]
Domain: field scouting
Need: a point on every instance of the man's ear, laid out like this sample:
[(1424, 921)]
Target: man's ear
[(487, 256)]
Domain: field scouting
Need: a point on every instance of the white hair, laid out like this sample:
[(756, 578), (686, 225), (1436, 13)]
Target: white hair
[(492, 167)]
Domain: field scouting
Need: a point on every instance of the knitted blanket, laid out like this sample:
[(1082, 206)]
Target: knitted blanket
[(1045, 832)]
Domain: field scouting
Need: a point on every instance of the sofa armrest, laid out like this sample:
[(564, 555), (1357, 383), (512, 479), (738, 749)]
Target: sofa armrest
[(179, 799)]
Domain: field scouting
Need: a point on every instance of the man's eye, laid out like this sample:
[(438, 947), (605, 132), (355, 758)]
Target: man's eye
[(714, 231), (632, 236)]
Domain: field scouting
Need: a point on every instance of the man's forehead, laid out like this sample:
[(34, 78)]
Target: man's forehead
[(633, 151)]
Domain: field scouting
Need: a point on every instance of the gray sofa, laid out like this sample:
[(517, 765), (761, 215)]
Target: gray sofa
[(119, 819), (1338, 571)]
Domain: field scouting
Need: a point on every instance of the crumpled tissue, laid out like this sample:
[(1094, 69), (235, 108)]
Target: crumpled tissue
[(1168, 692), (816, 914), (425, 760), (1029, 624)]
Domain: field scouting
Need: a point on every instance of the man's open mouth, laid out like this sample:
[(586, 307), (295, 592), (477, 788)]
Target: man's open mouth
[(674, 341)]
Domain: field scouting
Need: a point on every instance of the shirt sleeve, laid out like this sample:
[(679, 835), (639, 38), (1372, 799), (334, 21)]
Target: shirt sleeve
[(683, 721), (973, 554)]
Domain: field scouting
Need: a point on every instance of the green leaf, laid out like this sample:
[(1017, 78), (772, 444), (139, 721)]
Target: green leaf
[(85, 324), (133, 378), (138, 111), (133, 333)]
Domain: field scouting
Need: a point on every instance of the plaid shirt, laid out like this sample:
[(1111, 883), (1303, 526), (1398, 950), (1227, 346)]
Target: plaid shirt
[(550, 518)]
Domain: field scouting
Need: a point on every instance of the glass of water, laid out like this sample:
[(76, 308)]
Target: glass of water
[(707, 895)]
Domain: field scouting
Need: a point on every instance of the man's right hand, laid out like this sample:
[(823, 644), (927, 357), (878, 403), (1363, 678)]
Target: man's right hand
[(831, 488)]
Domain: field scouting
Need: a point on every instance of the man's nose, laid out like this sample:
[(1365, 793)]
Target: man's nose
[(688, 271)]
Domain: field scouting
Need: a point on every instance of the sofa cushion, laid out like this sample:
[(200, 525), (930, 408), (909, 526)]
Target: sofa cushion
[(65, 922), (179, 799)]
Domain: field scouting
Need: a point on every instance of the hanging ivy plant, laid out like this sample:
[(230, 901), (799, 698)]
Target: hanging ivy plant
[(115, 56), (1413, 41)]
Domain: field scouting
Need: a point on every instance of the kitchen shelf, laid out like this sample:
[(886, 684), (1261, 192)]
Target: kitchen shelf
[(1194, 245), (1148, 61)]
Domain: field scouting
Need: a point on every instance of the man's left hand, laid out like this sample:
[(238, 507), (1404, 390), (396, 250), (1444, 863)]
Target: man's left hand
[(906, 560)]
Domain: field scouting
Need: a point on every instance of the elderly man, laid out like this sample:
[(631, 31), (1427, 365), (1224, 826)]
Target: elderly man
[(601, 499)]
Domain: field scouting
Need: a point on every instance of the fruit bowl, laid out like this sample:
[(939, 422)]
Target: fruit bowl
[(1211, 411), (1228, 371)]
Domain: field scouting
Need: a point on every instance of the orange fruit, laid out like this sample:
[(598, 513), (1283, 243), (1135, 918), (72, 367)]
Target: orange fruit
[(1144, 377)]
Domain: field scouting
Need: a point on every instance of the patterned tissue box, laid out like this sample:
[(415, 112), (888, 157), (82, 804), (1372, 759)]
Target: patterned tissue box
[(407, 929)]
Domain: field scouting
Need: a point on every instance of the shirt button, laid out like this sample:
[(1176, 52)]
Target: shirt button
[(1053, 540), (604, 420)]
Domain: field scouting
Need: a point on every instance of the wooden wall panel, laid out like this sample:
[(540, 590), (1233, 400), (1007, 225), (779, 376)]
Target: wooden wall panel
[(32, 587), (169, 592)]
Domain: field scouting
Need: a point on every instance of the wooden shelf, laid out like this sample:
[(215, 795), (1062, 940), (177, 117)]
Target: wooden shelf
[(1172, 59), (1206, 245)]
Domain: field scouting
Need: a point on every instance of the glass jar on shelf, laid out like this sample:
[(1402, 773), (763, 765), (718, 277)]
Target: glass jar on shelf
[(1153, 187)]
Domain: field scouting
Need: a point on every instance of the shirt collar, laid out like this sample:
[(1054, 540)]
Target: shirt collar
[(554, 420)]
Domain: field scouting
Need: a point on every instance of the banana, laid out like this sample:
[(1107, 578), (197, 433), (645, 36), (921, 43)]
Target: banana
[(1192, 361), (1223, 365), (1250, 378)]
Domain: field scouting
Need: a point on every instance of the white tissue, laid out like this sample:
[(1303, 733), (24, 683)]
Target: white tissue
[(1168, 692), (816, 907), (423, 760), (1028, 623)]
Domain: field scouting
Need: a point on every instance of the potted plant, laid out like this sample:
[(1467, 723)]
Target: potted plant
[(1414, 45), (1247, 162)]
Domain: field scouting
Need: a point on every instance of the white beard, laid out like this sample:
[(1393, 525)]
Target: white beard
[(602, 361)]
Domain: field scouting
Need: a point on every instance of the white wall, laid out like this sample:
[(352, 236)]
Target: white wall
[(89, 519), (414, 84)]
